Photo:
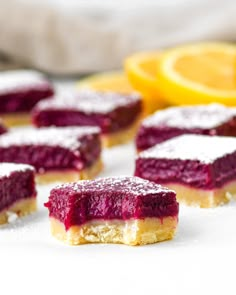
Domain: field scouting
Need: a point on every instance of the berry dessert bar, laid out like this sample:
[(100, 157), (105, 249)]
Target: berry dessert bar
[(126, 210), (200, 168), (18, 194), (213, 119), (58, 154), (19, 92), (117, 115)]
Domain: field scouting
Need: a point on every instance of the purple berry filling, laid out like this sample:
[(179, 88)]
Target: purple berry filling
[(16, 186), (164, 163), (119, 111), (166, 124), (112, 122), (110, 198), (25, 99), (150, 136), (192, 173), (51, 156)]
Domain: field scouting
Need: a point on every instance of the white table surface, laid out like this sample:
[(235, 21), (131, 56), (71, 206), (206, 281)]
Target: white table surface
[(200, 260)]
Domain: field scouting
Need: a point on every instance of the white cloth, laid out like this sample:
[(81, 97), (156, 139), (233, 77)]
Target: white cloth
[(76, 36)]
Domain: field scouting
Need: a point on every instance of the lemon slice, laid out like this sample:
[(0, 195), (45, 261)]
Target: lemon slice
[(141, 69), (199, 73)]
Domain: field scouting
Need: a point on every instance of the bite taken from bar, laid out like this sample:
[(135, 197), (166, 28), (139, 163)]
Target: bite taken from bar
[(200, 168), (126, 210)]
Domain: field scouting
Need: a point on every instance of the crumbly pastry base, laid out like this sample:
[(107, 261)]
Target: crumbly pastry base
[(204, 198), (21, 208), (70, 176), (121, 137), (16, 119), (130, 232)]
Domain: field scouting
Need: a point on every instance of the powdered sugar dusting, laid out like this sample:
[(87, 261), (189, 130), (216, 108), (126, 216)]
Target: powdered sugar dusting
[(124, 184), (192, 147), (7, 168), (88, 101), (14, 80), (202, 116), (67, 137)]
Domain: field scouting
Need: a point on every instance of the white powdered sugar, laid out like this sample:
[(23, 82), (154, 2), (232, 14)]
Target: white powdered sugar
[(7, 168), (202, 116), (18, 79), (88, 101), (125, 184), (67, 137), (203, 148)]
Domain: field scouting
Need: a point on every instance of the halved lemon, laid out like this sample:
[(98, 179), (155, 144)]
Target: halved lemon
[(107, 81), (199, 73), (141, 69)]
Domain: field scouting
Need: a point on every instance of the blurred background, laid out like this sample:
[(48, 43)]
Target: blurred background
[(74, 37)]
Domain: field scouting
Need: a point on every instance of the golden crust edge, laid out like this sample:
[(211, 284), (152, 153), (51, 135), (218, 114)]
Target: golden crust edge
[(130, 232), (203, 198), (70, 176), (122, 136), (16, 119), (21, 207), (108, 140)]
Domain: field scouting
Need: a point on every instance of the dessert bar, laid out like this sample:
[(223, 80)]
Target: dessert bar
[(116, 114), (126, 210), (19, 92), (58, 154), (18, 194), (213, 119), (200, 168)]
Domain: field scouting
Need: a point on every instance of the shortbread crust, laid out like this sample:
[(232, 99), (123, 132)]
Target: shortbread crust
[(70, 176), (16, 119), (130, 232), (121, 136), (20, 207), (202, 197)]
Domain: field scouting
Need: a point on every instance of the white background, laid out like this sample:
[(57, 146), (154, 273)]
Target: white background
[(200, 260)]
